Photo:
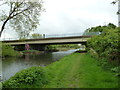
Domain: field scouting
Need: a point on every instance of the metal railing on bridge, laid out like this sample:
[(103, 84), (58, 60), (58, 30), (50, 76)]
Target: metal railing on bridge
[(91, 33), (57, 35), (63, 35), (6, 39), (72, 34)]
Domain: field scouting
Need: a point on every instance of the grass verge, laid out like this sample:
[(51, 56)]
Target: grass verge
[(80, 71)]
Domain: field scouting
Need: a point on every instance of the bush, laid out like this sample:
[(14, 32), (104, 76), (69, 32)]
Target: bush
[(106, 44), (20, 48), (30, 51), (58, 47), (8, 50), (51, 48), (28, 78), (105, 48), (93, 53)]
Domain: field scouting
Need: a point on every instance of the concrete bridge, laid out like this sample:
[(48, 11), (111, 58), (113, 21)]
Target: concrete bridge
[(39, 44), (50, 41)]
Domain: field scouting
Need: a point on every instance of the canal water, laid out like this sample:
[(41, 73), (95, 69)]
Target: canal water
[(12, 65)]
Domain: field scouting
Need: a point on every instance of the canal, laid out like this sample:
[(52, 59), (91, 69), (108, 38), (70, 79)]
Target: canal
[(12, 65)]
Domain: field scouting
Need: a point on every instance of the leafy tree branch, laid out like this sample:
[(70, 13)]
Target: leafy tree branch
[(23, 16)]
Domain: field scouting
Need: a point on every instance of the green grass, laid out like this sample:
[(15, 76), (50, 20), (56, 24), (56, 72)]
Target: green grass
[(79, 71), (72, 71), (8, 51), (0, 85), (33, 77), (63, 47)]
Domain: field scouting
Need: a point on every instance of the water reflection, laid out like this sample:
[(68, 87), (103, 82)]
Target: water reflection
[(12, 65), (59, 55), (27, 57)]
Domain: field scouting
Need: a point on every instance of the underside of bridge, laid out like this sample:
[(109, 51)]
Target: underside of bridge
[(41, 47), (32, 47)]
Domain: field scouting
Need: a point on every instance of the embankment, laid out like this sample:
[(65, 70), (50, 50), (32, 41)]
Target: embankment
[(73, 71)]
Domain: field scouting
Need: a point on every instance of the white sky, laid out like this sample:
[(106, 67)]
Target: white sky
[(73, 16)]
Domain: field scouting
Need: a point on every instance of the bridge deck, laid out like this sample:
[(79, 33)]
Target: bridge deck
[(60, 40)]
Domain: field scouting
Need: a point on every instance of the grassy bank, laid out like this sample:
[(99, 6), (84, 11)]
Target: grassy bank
[(63, 47), (8, 51), (80, 71), (31, 52), (0, 85), (73, 71)]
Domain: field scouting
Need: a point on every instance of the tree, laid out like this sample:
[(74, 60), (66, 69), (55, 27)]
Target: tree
[(101, 28), (115, 1), (112, 26), (36, 36), (106, 44), (118, 12), (23, 16)]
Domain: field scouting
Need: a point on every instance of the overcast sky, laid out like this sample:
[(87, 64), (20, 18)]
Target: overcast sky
[(73, 16)]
